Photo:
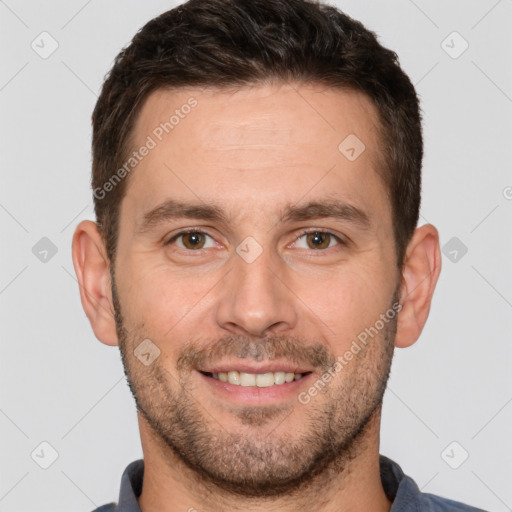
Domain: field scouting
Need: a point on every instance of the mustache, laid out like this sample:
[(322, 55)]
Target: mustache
[(297, 350)]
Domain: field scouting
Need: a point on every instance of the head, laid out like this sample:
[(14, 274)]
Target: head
[(256, 178), (228, 45)]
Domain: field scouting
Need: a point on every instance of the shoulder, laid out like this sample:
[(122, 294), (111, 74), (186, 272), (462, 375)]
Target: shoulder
[(109, 507), (406, 496), (131, 487), (434, 503)]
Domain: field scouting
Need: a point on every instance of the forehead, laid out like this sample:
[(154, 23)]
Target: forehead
[(257, 145)]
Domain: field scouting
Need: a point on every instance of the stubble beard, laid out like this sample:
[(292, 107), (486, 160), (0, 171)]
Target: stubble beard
[(266, 462)]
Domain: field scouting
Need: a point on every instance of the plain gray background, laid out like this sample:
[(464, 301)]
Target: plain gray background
[(449, 395)]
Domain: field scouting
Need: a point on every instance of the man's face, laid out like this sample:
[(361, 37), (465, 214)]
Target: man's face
[(247, 291)]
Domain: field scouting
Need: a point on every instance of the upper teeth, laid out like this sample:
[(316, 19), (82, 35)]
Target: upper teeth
[(260, 380)]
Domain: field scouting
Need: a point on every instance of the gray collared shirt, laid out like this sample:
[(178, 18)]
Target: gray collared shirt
[(399, 488)]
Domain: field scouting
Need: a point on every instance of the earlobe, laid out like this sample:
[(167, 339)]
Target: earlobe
[(419, 278), (92, 269)]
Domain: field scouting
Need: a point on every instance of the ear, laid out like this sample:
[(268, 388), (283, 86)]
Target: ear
[(422, 265), (92, 268)]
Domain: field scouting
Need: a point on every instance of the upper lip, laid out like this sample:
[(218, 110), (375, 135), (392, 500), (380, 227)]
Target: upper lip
[(255, 367)]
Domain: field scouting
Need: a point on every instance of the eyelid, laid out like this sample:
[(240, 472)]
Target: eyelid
[(342, 241), (185, 231)]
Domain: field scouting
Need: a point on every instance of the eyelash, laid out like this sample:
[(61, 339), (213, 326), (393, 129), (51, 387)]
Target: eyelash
[(340, 241)]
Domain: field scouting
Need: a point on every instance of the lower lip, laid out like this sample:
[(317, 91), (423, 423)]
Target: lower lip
[(255, 395)]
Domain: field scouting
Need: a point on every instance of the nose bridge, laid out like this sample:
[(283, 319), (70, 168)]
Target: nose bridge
[(254, 298)]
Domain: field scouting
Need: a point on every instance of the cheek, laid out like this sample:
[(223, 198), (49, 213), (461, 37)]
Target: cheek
[(346, 302), (336, 304), (161, 300)]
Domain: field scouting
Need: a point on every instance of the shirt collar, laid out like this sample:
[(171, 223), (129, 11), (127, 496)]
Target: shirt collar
[(399, 488)]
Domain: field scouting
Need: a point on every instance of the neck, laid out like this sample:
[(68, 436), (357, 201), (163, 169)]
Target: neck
[(169, 485)]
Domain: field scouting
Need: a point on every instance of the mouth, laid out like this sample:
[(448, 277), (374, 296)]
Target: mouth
[(245, 383), (258, 380)]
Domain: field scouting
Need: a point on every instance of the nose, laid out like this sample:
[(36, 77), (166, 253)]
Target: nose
[(256, 299)]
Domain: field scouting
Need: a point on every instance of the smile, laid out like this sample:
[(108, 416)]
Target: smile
[(260, 380)]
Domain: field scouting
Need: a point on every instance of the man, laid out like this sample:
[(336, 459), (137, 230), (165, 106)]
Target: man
[(256, 177)]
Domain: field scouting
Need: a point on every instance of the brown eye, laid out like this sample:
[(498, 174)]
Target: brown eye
[(191, 240), (318, 239)]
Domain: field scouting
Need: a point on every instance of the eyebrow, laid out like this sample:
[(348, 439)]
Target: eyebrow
[(319, 209)]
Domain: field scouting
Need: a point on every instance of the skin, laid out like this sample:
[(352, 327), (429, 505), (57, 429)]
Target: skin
[(253, 152)]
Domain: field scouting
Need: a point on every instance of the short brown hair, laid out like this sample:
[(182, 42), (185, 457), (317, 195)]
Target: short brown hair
[(226, 43)]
